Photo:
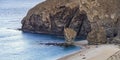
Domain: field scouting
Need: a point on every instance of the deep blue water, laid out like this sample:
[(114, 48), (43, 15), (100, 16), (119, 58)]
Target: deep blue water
[(16, 45)]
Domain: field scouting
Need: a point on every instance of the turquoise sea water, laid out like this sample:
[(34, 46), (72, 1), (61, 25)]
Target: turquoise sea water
[(16, 45)]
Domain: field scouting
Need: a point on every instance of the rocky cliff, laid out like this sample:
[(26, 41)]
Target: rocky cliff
[(98, 20), (52, 16), (104, 17)]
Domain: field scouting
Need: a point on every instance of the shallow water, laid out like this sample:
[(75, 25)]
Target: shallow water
[(16, 45)]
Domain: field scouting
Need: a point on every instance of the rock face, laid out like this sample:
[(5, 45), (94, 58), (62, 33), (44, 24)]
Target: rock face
[(98, 20), (70, 36), (52, 16), (104, 17)]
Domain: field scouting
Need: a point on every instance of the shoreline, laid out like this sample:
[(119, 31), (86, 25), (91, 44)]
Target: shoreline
[(92, 52)]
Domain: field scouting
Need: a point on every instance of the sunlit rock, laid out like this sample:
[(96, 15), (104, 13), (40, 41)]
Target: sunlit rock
[(52, 16), (104, 19)]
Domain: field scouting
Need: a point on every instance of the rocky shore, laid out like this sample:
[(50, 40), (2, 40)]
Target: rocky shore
[(97, 20)]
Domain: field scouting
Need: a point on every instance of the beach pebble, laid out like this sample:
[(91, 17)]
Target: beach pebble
[(84, 58)]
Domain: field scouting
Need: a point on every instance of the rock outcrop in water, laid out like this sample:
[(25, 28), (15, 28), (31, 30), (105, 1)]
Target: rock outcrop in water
[(99, 17), (52, 16)]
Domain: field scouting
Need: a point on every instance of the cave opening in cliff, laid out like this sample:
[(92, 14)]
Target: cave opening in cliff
[(83, 25), (78, 27)]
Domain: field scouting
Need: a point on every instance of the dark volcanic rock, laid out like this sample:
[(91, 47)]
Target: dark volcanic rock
[(52, 16)]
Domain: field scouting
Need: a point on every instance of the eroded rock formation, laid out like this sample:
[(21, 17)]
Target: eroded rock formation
[(52, 16), (99, 17), (104, 19)]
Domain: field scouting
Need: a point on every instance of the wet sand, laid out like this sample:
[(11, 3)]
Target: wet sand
[(92, 52)]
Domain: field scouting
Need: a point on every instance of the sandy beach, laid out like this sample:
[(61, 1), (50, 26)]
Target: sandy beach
[(92, 52)]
